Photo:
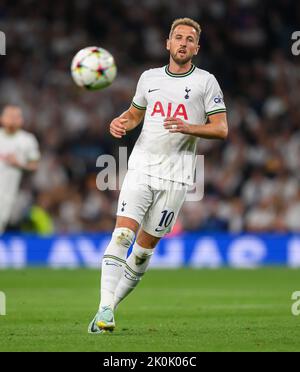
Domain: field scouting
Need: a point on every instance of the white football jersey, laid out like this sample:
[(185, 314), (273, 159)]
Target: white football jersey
[(25, 147), (192, 97)]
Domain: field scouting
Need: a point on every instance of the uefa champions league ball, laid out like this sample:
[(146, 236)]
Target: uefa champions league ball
[(93, 68)]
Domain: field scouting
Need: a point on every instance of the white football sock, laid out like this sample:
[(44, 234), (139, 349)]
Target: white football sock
[(114, 260), (136, 266)]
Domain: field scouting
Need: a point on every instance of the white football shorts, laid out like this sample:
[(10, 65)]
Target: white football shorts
[(153, 202)]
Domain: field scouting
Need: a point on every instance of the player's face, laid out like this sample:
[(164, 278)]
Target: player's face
[(12, 119), (183, 44)]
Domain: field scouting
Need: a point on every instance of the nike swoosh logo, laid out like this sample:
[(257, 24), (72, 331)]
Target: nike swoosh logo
[(93, 328), (152, 90), (159, 230), (112, 264)]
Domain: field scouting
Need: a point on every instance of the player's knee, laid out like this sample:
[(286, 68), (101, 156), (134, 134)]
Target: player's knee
[(123, 236)]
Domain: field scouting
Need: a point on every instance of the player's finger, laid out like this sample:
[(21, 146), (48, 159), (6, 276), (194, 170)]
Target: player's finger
[(115, 135), (118, 132), (174, 120), (171, 125), (117, 127), (117, 123), (121, 127), (123, 120)]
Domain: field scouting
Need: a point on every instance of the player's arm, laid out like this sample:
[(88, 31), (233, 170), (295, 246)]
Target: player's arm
[(126, 122), (29, 166), (216, 128)]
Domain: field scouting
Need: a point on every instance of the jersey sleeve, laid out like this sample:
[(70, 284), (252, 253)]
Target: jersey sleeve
[(139, 100), (213, 98), (33, 153)]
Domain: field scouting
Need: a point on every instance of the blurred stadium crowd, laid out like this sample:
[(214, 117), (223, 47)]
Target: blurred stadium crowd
[(251, 180)]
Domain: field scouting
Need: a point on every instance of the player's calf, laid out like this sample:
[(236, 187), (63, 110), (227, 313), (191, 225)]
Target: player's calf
[(135, 267), (114, 260)]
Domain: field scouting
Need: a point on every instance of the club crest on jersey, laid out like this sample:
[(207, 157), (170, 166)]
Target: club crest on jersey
[(180, 110), (123, 206), (187, 93)]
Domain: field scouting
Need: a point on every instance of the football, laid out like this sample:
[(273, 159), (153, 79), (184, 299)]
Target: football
[(93, 68)]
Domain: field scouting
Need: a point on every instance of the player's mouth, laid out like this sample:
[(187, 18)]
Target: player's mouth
[(182, 52)]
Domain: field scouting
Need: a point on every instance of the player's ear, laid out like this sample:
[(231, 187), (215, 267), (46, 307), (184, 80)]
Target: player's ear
[(168, 44), (197, 50)]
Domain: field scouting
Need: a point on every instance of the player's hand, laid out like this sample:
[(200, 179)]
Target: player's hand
[(175, 125), (12, 160), (117, 128)]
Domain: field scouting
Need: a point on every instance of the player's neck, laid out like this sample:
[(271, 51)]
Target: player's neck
[(179, 69), (10, 132)]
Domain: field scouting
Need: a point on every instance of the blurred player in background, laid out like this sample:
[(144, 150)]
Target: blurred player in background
[(18, 152), (175, 102)]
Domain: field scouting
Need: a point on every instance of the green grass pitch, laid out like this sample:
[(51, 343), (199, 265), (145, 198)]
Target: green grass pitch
[(171, 310)]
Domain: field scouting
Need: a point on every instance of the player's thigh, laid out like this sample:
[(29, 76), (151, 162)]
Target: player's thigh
[(134, 200), (163, 213), (127, 222)]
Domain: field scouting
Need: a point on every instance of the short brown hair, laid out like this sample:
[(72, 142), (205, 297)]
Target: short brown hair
[(188, 22)]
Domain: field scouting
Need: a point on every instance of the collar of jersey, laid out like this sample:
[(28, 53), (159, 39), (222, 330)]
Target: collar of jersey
[(168, 72)]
